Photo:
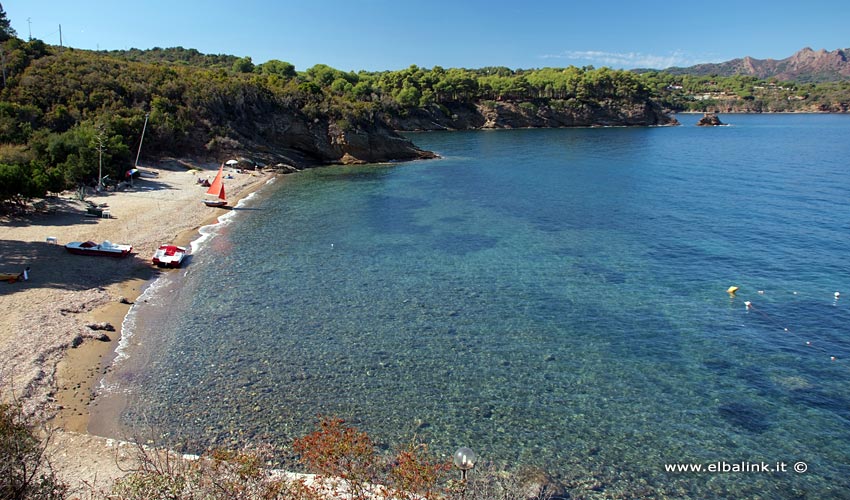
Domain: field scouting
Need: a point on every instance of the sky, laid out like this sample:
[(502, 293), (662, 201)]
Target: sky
[(377, 35)]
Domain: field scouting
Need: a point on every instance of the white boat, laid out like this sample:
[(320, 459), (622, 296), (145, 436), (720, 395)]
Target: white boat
[(217, 189), (107, 248), (169, 256)]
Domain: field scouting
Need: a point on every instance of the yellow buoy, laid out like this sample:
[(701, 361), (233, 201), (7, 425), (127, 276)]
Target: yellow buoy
[(731, 290)]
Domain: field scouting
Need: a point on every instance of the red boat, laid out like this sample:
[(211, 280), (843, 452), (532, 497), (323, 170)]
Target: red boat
[(107, 248), (169, 256)]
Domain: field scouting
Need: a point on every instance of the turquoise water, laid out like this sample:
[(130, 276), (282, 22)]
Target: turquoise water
[(552, 298)]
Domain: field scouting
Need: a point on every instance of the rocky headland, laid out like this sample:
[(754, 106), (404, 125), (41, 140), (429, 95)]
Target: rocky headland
[(277, 136), (531, 114)]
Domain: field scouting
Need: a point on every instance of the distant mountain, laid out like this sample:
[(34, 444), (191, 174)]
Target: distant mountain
[(806, 65)]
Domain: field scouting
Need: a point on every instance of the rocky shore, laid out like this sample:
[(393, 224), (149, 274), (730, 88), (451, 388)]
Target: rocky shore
[(545, 114)]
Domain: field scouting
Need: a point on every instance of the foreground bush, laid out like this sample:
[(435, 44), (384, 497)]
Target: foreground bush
[(343, 461), (344, 465), (25, 472)]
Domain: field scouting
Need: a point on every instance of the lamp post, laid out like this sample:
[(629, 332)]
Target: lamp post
[(464, 459)]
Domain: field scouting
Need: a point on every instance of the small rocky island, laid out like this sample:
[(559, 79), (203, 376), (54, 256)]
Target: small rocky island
[(709, 120)]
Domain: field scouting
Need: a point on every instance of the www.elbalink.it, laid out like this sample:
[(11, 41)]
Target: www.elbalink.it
[(737, 467)]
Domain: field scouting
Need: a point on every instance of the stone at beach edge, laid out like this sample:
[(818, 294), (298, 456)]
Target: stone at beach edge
[(709, 120)]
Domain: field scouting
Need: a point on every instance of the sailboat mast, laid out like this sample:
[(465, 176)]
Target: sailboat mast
[(144, 127)]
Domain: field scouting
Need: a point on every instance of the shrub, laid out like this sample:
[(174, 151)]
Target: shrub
[(25, 472), (337, 451)]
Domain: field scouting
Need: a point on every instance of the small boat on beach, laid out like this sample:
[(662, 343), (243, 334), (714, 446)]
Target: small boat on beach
[(169, 256), (11, 277), (107, 248), (217, 189)]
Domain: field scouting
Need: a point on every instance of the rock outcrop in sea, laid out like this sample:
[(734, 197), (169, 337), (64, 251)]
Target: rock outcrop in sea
[(709, 120)]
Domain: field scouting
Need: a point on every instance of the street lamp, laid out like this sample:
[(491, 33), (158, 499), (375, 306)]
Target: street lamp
[(464, 459)]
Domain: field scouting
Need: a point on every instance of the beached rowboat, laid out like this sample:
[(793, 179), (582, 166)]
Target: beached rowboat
[(11, 277), (107, 248), (169, 256)]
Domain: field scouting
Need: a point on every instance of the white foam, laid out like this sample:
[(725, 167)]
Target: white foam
[(207, 232), (128, 326)]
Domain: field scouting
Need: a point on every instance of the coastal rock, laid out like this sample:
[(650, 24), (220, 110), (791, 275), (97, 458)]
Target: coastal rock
[(544, 114), (124, 300), (709, 120), (537, 483), (101, 326), (285, 169), (273, 132)]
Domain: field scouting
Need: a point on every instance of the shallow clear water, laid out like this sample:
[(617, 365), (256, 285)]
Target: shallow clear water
[(546, 297)]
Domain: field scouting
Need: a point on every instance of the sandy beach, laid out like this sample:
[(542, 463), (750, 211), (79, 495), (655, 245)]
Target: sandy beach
[(51, 357)]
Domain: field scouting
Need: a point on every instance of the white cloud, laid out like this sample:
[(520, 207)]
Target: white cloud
[(626, 60)]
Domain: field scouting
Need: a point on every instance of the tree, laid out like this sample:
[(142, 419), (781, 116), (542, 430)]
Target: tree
[(6, 30), (243, 65), (275, 67)]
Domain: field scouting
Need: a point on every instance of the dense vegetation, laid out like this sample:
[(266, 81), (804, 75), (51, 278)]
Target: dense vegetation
[(64, 111)]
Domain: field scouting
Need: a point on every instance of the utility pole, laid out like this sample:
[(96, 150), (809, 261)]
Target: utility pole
[(60, 36), (29, 22)]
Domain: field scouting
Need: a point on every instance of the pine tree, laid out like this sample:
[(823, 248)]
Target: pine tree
[(6, 30)]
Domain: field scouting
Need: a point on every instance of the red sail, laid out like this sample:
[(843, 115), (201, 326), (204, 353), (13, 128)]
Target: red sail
[(217, 187)]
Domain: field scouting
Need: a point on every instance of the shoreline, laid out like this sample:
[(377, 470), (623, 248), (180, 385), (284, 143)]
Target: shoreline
[(55, 359), (87, 364)]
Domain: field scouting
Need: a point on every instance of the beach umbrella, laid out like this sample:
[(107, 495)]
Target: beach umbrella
[(133, 172), (231, 162)]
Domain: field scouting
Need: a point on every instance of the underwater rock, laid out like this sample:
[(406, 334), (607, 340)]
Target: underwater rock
[(537, 483), (745, 416)]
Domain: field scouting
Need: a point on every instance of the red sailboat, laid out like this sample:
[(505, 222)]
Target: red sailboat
[(217, 189)]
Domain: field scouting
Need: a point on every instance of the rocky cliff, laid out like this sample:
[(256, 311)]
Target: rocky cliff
[(259, 127), (276, 135), (540, 114)]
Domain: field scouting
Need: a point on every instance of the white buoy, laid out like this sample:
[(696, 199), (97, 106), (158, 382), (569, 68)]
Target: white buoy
[(836, 294), (761, 292), (748, 304)]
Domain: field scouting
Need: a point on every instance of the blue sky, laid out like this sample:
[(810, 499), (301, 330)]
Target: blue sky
[(379, 35)]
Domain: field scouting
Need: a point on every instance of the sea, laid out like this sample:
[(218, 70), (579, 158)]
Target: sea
[(554, 299)]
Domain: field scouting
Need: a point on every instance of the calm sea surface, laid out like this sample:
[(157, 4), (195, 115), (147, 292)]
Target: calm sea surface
[(554, 298)]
